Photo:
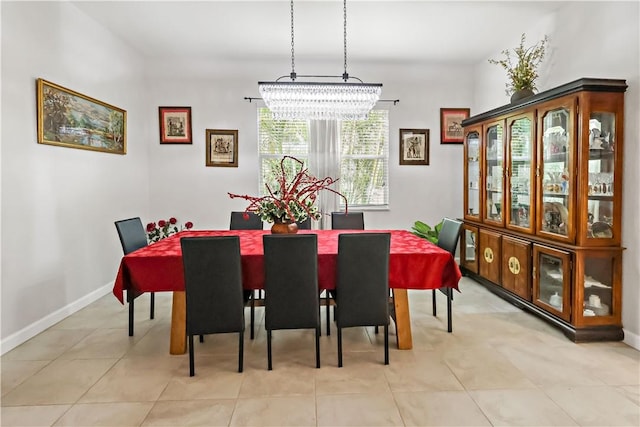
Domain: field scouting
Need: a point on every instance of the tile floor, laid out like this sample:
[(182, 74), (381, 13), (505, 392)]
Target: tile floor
[(500, 366)]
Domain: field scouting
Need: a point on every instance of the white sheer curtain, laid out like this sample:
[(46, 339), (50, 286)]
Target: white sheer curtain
[(324, 160)]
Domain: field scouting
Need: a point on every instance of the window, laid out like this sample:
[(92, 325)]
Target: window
[(364, 154)]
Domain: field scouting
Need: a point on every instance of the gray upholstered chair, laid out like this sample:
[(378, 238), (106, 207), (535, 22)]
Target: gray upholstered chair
[(304, 225), (245, 221), (291, 285), (363, 284), (213, 289), (447, 240), (348, 221), (133, 237)]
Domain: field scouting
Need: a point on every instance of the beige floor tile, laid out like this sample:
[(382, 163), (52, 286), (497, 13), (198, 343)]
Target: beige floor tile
[(596, 406), (284, 381), (101, 344), (486, 369), (377, 409), (275, 411), (191, 413), (353, 378), (632, 393), (105, 414), (15, 372), (139, 379), (23, 416), (520, 408), (443, 408), (62, 381), (48, 345), (216, 377), (425, 373)]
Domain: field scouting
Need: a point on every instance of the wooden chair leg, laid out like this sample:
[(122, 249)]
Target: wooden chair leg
[(318, 347), (192, 369), (152, 305), (241, 352), (386, 344), (339, 347), (269, 366)]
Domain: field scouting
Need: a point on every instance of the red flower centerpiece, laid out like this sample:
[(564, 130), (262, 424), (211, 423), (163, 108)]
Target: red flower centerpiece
[(165, 228), (295, 198)]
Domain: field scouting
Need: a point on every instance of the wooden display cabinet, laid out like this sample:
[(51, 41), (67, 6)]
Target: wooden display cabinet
[(543, 186), (469, 248)]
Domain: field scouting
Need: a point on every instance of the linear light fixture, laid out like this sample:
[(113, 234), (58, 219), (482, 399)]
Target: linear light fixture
[(294, 100)]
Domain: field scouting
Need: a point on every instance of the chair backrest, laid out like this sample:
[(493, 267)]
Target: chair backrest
[(304, 225), (238, 221), (449, 235), (213, 284), (362, 286), (348, 221), (132, 234), (291, 281)]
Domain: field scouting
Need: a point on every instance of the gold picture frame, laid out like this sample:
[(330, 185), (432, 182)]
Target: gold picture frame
[(222, 147), (67, 118), (414, 146)]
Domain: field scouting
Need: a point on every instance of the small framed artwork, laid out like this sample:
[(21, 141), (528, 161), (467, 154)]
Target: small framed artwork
[(70, 119), (175, 125), (414, 146), (222, 148), (451, 131)]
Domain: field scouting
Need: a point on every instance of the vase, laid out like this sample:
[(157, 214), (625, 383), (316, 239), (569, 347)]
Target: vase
[(521, 94), (286, 227)]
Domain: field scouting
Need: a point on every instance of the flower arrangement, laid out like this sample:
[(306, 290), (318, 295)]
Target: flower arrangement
[(165, 228), (522, 74), (294, 199)]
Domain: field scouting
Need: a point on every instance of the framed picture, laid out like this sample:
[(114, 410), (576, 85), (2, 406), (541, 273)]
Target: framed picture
[(175, 125), (451, 131), (69, 119), (414, 146), (222, 148)]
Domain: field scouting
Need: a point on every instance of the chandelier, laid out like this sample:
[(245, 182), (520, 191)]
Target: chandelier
[(294, 100)]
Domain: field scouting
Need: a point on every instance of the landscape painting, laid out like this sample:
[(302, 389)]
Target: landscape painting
[(70, 119)]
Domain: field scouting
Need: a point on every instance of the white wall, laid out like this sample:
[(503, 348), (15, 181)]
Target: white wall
[(592, 39), (59, 245), (183, 187)]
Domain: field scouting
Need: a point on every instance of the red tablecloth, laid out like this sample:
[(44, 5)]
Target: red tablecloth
[(414, 263)]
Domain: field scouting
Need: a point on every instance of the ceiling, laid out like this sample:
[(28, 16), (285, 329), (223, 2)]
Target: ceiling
[(449, 32)]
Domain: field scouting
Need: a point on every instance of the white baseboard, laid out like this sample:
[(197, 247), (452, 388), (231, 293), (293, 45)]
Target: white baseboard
[(631, 339), (17, 338)]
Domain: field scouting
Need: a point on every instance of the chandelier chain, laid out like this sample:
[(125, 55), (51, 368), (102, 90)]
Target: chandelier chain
[(345, 38), (293, 62)]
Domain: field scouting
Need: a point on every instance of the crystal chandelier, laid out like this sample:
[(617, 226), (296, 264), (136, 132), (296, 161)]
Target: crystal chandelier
[(292, 100)]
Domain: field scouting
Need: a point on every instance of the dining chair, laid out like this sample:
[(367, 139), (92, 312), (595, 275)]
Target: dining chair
[(447, 240), (348, 221), (363, 284), (252, 222), (342, 221), (304, 225), (133, 237), (213, 289), (291, 286), (245, 221)]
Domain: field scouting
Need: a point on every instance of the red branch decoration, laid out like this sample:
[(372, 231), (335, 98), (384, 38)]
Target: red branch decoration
[(294, 200)]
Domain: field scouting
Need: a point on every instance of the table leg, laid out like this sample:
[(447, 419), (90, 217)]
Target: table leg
[(178, 344), (403, 321)]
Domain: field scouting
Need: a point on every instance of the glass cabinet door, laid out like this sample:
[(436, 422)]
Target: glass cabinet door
[(556, 171), (552, 280), (520, 173), (601, 169), (469, 248), (494, 171), (597, 273), (472, 175)]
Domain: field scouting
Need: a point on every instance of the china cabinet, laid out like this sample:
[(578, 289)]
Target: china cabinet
[(543, 205)]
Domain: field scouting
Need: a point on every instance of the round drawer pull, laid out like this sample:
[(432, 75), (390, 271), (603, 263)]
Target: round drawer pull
[(514, 265), (488, 255)]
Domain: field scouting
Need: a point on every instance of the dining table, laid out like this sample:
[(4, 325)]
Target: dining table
[(414, 263)]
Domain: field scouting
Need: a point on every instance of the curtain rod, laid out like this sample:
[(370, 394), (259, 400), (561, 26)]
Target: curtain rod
[(395, 101)]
